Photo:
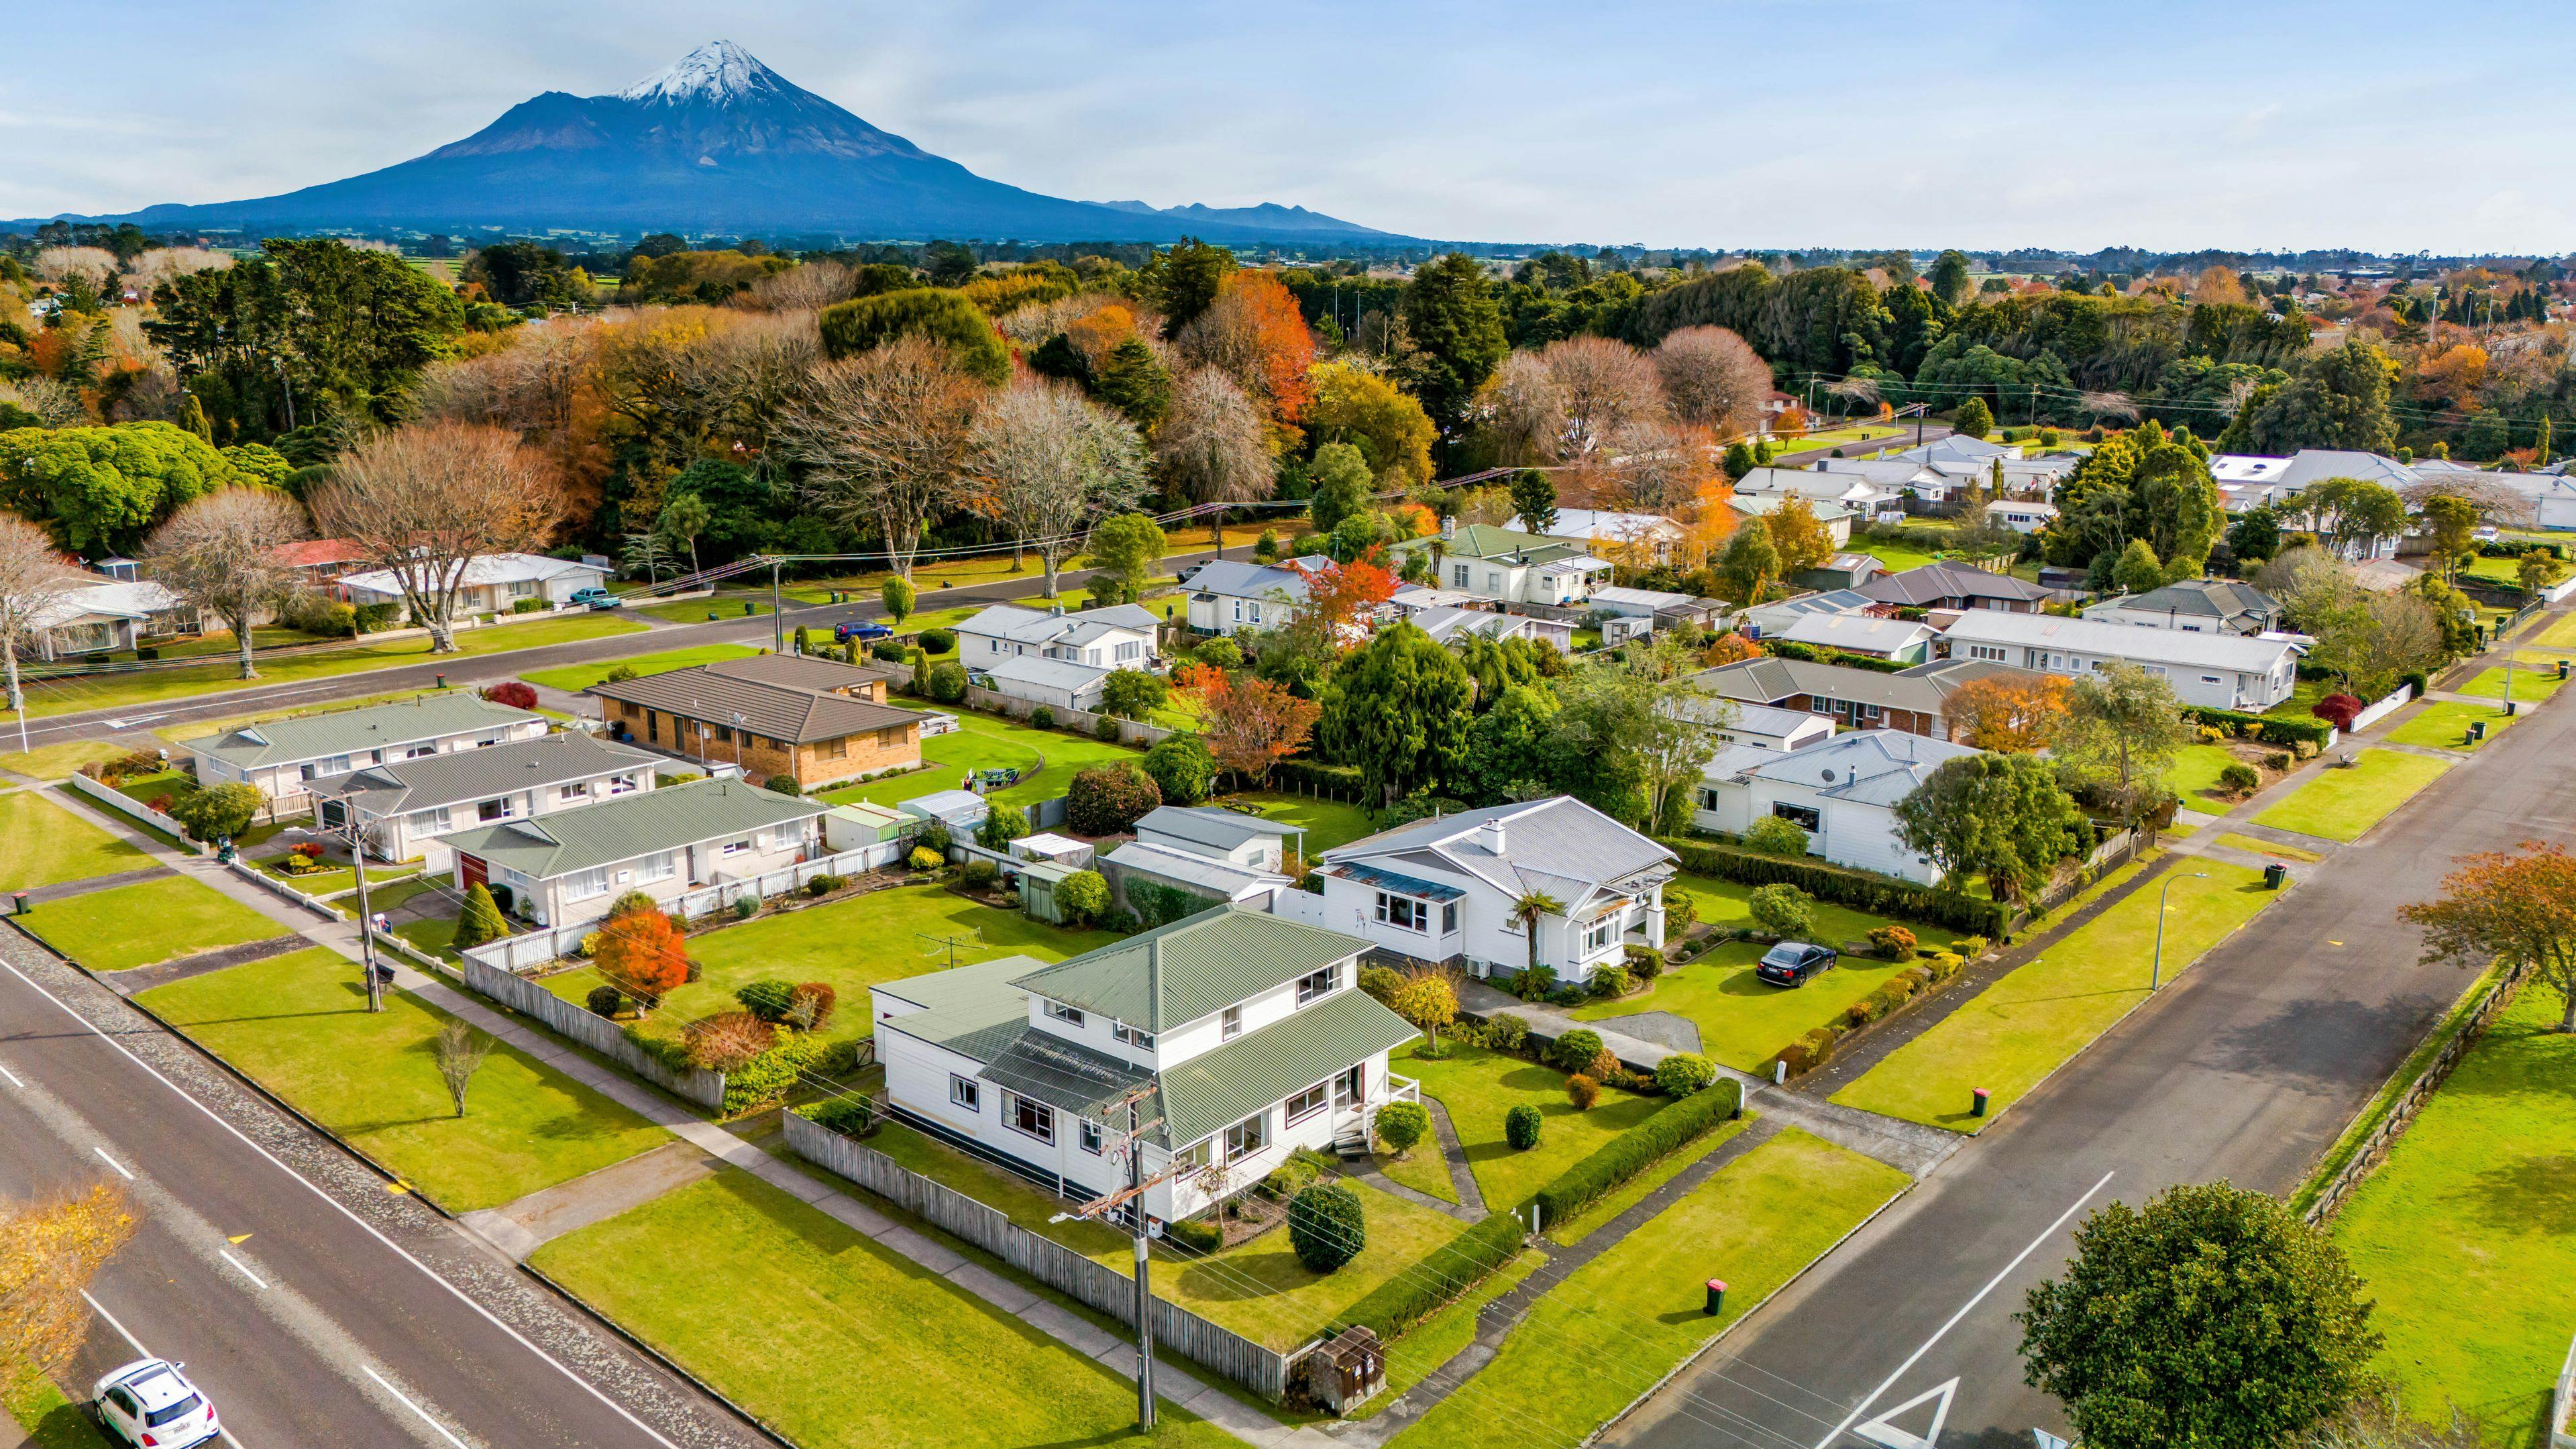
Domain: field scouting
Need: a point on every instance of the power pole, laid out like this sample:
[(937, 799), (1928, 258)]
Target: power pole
[(777, 620), (366, 913), (1144, 1274)]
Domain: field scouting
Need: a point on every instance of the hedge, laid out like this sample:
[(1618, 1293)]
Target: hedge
[(1342, 781), (1787, 649), (1875, 895), (1638, 1148), (1157, 904), (2270, 729), (1443, 1276)]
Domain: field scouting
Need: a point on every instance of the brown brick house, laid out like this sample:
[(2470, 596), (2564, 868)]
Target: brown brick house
[(1910, 700), (815, 721)]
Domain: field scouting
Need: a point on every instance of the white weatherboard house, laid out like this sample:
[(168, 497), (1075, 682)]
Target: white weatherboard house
[(111, 614), (1630, 537), (283, 757), (2217, 671), (1228, 594), (1444, 889), (494, 583), (566, 869), (1842, 792), (1502, 566), (402, 805), (1118, 637), (1238, 1035)]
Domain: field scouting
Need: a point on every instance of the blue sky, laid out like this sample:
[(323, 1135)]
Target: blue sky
[(1742, 123)]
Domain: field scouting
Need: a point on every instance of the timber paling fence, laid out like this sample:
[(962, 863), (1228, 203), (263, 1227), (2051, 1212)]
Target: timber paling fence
[(572, 1019), (2339, 1188)]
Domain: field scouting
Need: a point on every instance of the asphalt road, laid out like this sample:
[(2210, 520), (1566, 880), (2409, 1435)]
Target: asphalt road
[(2245, 1070), (312, 1305)]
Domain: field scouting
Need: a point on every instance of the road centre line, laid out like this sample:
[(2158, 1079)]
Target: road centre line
[(112, 1162), (255, 1279)]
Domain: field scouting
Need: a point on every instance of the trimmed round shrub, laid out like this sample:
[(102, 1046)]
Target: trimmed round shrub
[(1782, 910), (823, 885), (1110, 799), (1042, 717), (1403, 1124), (2237, 777), (938, 641), (1575, 1050), (1105, 729), (924, 858), (1326, 1227), (1521, 1126), (1082, 896), (1891, 943), (849, 1116), (1582, 1091), (1772, 835), (1683, 1073), (948, 682), (1221, 653), (767, 1000), (1181, 768), (512, 693), (604, 1000), (891, 651), (782, 785)]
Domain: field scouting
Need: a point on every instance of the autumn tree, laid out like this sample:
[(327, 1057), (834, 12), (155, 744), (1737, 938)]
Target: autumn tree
[(1334, 615), (1214, 449), (50, 1248), (220, 553), (1427, 997), (2012, 713), (1750, 564), (641, 953), (885, 439), (1365, 410), (1254, 333), (421, 503), (1713, 378), (1053, 463), (2515, 907), (1729, 649), (1250, 723), (1798, 537), (938, 315), (34, 577)]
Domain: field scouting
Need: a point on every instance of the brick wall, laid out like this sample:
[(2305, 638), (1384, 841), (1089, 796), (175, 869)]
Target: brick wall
[(812, 765)]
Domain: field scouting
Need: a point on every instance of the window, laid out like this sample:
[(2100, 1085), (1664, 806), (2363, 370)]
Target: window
[(654, 867), (1058, 1011), (419, 751), (1247, 1137), (629, 709), (735, 847), (1449, 918), (1493, 582), (1036, 1119), (1130, 650), (1318, 983), (1458, 575), (1804, 817), (582, 885), (653, 727), (1398, 911), (1309, 1102), (992, 646), (1601, 933), (965, 1092), (1197, 1155), (493, 809), (1133, 1036), (836, 749), (1708, 799), (622, 785), (1256, 612), (1238, 611), (2209, 679), (578, 790), (1090, 1138), (892, 735), (1994, 652), (724, 734), (1229, 1023)]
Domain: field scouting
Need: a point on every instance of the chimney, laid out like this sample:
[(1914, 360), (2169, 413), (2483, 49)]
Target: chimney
[(1449, 526), (1490, 834)]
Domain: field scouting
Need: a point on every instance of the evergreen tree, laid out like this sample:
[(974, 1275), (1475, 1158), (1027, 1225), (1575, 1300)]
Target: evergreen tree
[(1949, 277), (1342, 485), (479, 920), (1451, 312), (1399, 709), (1534, 499), (1973, 419), (2138, 570), (1134, 381)]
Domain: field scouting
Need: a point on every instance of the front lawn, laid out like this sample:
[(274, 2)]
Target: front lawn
[(320, 883), (2535, 678), (43, 844), (2303, 697), (2444, 724), (1744, 1022), (1329, 824), (2194, 777), (1479, 1086), (1260, 1290), (53, 762), (147, 922), (574, 678), (2342, 804), (2559, 635), (2466, 1235), (853, 944), (299, 1023), (1046, 760), (1623, 1321), (2018, 1030), (2268, 847), (1727, 905), (835, 1340)]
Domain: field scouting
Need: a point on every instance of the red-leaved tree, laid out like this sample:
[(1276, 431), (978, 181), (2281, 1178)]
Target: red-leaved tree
[(2339, 710), (2515, 906), (1250, 724), (641, 953), (512, 693)]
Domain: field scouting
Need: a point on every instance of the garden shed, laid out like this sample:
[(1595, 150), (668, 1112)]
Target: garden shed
[(860, 824), (1054, 849), (960, 810), (1038, 880)]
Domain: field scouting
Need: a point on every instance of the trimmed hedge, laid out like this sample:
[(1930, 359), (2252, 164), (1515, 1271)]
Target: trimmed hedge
[(1444, 1274), (849, 1116), (1788, 649), (2270, 729), (1638, 1148), (1872, 894)]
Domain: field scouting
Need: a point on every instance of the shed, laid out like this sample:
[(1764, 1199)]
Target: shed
[(860, 824), (960, 810), (1038, 881), (1055, 849)]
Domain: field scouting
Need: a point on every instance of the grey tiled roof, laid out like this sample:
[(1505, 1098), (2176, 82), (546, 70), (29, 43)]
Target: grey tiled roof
[(773, 711), (1933, 582), (462, 775)]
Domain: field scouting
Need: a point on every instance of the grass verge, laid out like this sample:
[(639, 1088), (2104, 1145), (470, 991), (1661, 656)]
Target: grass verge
[(43, 844), (574, 678), (146, 923), (2344, 804)]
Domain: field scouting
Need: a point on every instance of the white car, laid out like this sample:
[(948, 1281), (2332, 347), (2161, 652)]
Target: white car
[(149, 1403)]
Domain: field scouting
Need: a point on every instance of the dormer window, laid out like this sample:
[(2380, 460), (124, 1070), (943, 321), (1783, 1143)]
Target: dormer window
[(1133, 1036), (1318, 983), (1058, 1011)]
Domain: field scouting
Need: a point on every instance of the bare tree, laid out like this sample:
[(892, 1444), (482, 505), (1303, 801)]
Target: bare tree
[(1604, 386), (162, 264), (748, 373), (1714, 378), (808, 288), (1214, 448), (34, 576), (461, 1050), (61, 264), (1661, 468), (423, 502), (884, 439), (1522, 410), (1055, 464), (2098, 405), (54, 405), (219, 553)]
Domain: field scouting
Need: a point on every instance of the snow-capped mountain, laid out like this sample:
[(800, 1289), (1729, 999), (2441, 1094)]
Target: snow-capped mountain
[(717, 143)]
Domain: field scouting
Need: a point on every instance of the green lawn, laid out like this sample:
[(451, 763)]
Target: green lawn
[(697, 611), (1635, 1190), (1621, 1322), (2444, 724), (2466, 1235), (853, 945), (1744, 1022), (2195, 777), (195, 681), (1425, 1169), (574, 678), (147, 922), (331, 882), (2302, 700), (2268, 847), (1835, 438), (834, 1340), (2559, 635), (43, 844), (2535, 678), (1260, 1290), (1727, 905), (2019, 1029), (1479, 1086), (51, 1419), (1329, 824), (299, 1023), (1445, 1334), (2342, 804), (53, 762), (1046, 760)]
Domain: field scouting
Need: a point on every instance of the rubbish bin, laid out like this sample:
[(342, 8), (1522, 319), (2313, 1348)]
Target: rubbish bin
[(1716, 1297), (2274, 874), (2562, 669), (384, 974), (23, 905), (1979, 1108), (748, 607), (2477, 730)]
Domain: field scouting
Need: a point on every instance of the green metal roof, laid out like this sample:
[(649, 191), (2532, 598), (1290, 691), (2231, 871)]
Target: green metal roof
[(352, 731), (961, 1009), (630, 826), (1217, 1089), (1191, 968), (1485, 541)]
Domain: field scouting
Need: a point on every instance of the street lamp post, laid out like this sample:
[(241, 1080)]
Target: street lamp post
[(2156, 972)]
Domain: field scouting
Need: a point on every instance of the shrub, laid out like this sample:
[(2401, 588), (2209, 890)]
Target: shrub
[(1683, 1073), (1869, 894), (1575, 1050), (1611, 981), (2269, 729), (1181, 767), (774, 1073), (745, 907), (765, 999), (1521, 1126), (604, 1000), (849, 1116), (219, 812), (1505, 1032), (1326, 1227), (728, 1040), (1582, 1091), (1121, 922), (1265, 549), (1403, 1124), (2237, 777), (501, 896), (479, 919), (1110, 799), (1681, 912), (631, 902), (1775, 835), (590, 944), (890, 651), (1303, 1169), (1043, 717), (1105, 729), (1969, 947), (824, 884), (1381, 983), (1002, 825), (1082, 896), (810, 1004), (782, 785), (982, 874), (1645, 963), (1446, 1273), (1891, 943), (2337, 709), (1636, 1149), (1812, 1050), (1783, 910), (948, 682), (1536, 983), (938, 641), (924, 858), (512, 693), (1221, 653), (1158, 904), (1195, 1235)]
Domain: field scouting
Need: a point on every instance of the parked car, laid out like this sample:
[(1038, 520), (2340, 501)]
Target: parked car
[(149, 1403), (1793, 963), (859, 629), (597, 599), (1187, 574)]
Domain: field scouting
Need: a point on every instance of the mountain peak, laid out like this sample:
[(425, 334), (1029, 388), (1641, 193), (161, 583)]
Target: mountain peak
[(716, 71)]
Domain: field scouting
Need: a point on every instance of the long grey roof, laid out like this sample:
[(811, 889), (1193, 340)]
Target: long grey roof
[(2202, 598), (1933, 582), (798, 671), (630, 826), (1205, 825), (1769, 680), (1191, 968), (1207, 872), (1065, 674), (1560, 837), (1046, 626), (348, 731), (462, 775), (1869, 767), (1236, 579)]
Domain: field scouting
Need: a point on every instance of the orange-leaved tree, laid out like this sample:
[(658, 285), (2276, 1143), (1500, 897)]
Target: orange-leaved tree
[(2516, 906), (641, 953), (1729, 648), (2013, 713), (1248, 723)]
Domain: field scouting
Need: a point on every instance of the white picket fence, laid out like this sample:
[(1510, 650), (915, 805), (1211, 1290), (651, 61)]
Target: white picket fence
[(535, 948), (127, 805), (2381, 709)]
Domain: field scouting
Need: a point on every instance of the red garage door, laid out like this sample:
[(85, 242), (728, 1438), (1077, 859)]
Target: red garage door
[(476, 872)]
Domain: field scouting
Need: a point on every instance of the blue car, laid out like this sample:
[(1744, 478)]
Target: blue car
[(861, 630), (596, 599)]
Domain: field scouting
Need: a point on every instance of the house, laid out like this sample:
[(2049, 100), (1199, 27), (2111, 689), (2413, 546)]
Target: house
[(1910, 701), (1656, 608), (2194, 606), (2218, 671), (111, 615), (494, 583), (283, 757), (1842, 571), (1447, 889), (1054, 683), (1207, 879), (1636, 538), (1843, 793), (1118, 637), (1899, 478), (1228, 835), (319, 562), (402, 805), (1761, 726), (1500, 565), (814, 721), (1955, 586), (1857, 492), (2245, 481), (1226, 595), (1457, 626), (566, 869), (1411, 600), (1769, 620), (1906, 641), (1237, 1036), (1836, 517), (2022, 517)]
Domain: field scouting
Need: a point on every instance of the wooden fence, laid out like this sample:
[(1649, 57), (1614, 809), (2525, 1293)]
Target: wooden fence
[(1082, 722), (2107, 857), (570, 1019), (2331, 1197), (1220, 1350)]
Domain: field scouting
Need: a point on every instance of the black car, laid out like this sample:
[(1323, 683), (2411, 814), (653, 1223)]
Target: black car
[(1791, 963)]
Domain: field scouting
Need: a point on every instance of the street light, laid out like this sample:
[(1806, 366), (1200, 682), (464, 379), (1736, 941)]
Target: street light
[(2156, 973)]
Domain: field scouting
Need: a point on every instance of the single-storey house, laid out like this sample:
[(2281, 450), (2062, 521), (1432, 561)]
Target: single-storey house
[(283, 757), (1836, 517), (2220, 671), (1456, 626), (1502, 565), (402, 805), (1904, 640), (1637, 538), (1055, 683), (1254, 841), (495, 583), (566, 869), (1853, 492), (818, 722), (319, 562), (1761, 726), (110, 615), (1118, 637), (1842, 792), (2194, 606), (1955, 586), (1910, 700), (1227, 594), (1764, 621), (1239, 1037), (2022, 516)]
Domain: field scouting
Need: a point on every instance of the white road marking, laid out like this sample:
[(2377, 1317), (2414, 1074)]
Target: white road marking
[(12, 1076), (112, 1162), (1965, 1309), (255, 1279), (341, 1208), (415, 1408), (101, 1310)]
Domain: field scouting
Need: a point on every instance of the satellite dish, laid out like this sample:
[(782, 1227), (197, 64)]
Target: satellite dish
[(1829, 777)]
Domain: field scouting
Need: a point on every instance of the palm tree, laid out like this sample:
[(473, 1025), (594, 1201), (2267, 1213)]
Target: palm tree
[(1527, 909)]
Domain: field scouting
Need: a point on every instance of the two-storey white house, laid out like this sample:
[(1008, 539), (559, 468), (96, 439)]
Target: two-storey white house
[(2217, 671), (566, 869), (1448, 889), (1498, 564), (1228, 594), (283, 757), (401, 806), (1236, 1036)]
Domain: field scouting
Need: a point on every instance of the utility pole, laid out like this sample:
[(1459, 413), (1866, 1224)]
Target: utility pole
[(777, 620), (1144, 1274), (2156, 973), (366, 912)]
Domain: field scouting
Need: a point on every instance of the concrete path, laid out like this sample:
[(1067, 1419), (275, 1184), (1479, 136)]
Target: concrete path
[(1462, 1175), (520, 1228)]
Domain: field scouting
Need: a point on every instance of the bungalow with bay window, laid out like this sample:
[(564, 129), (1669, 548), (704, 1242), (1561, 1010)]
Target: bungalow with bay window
[(283, 757), (401, 806), (566, 869), (1236, 1036)]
